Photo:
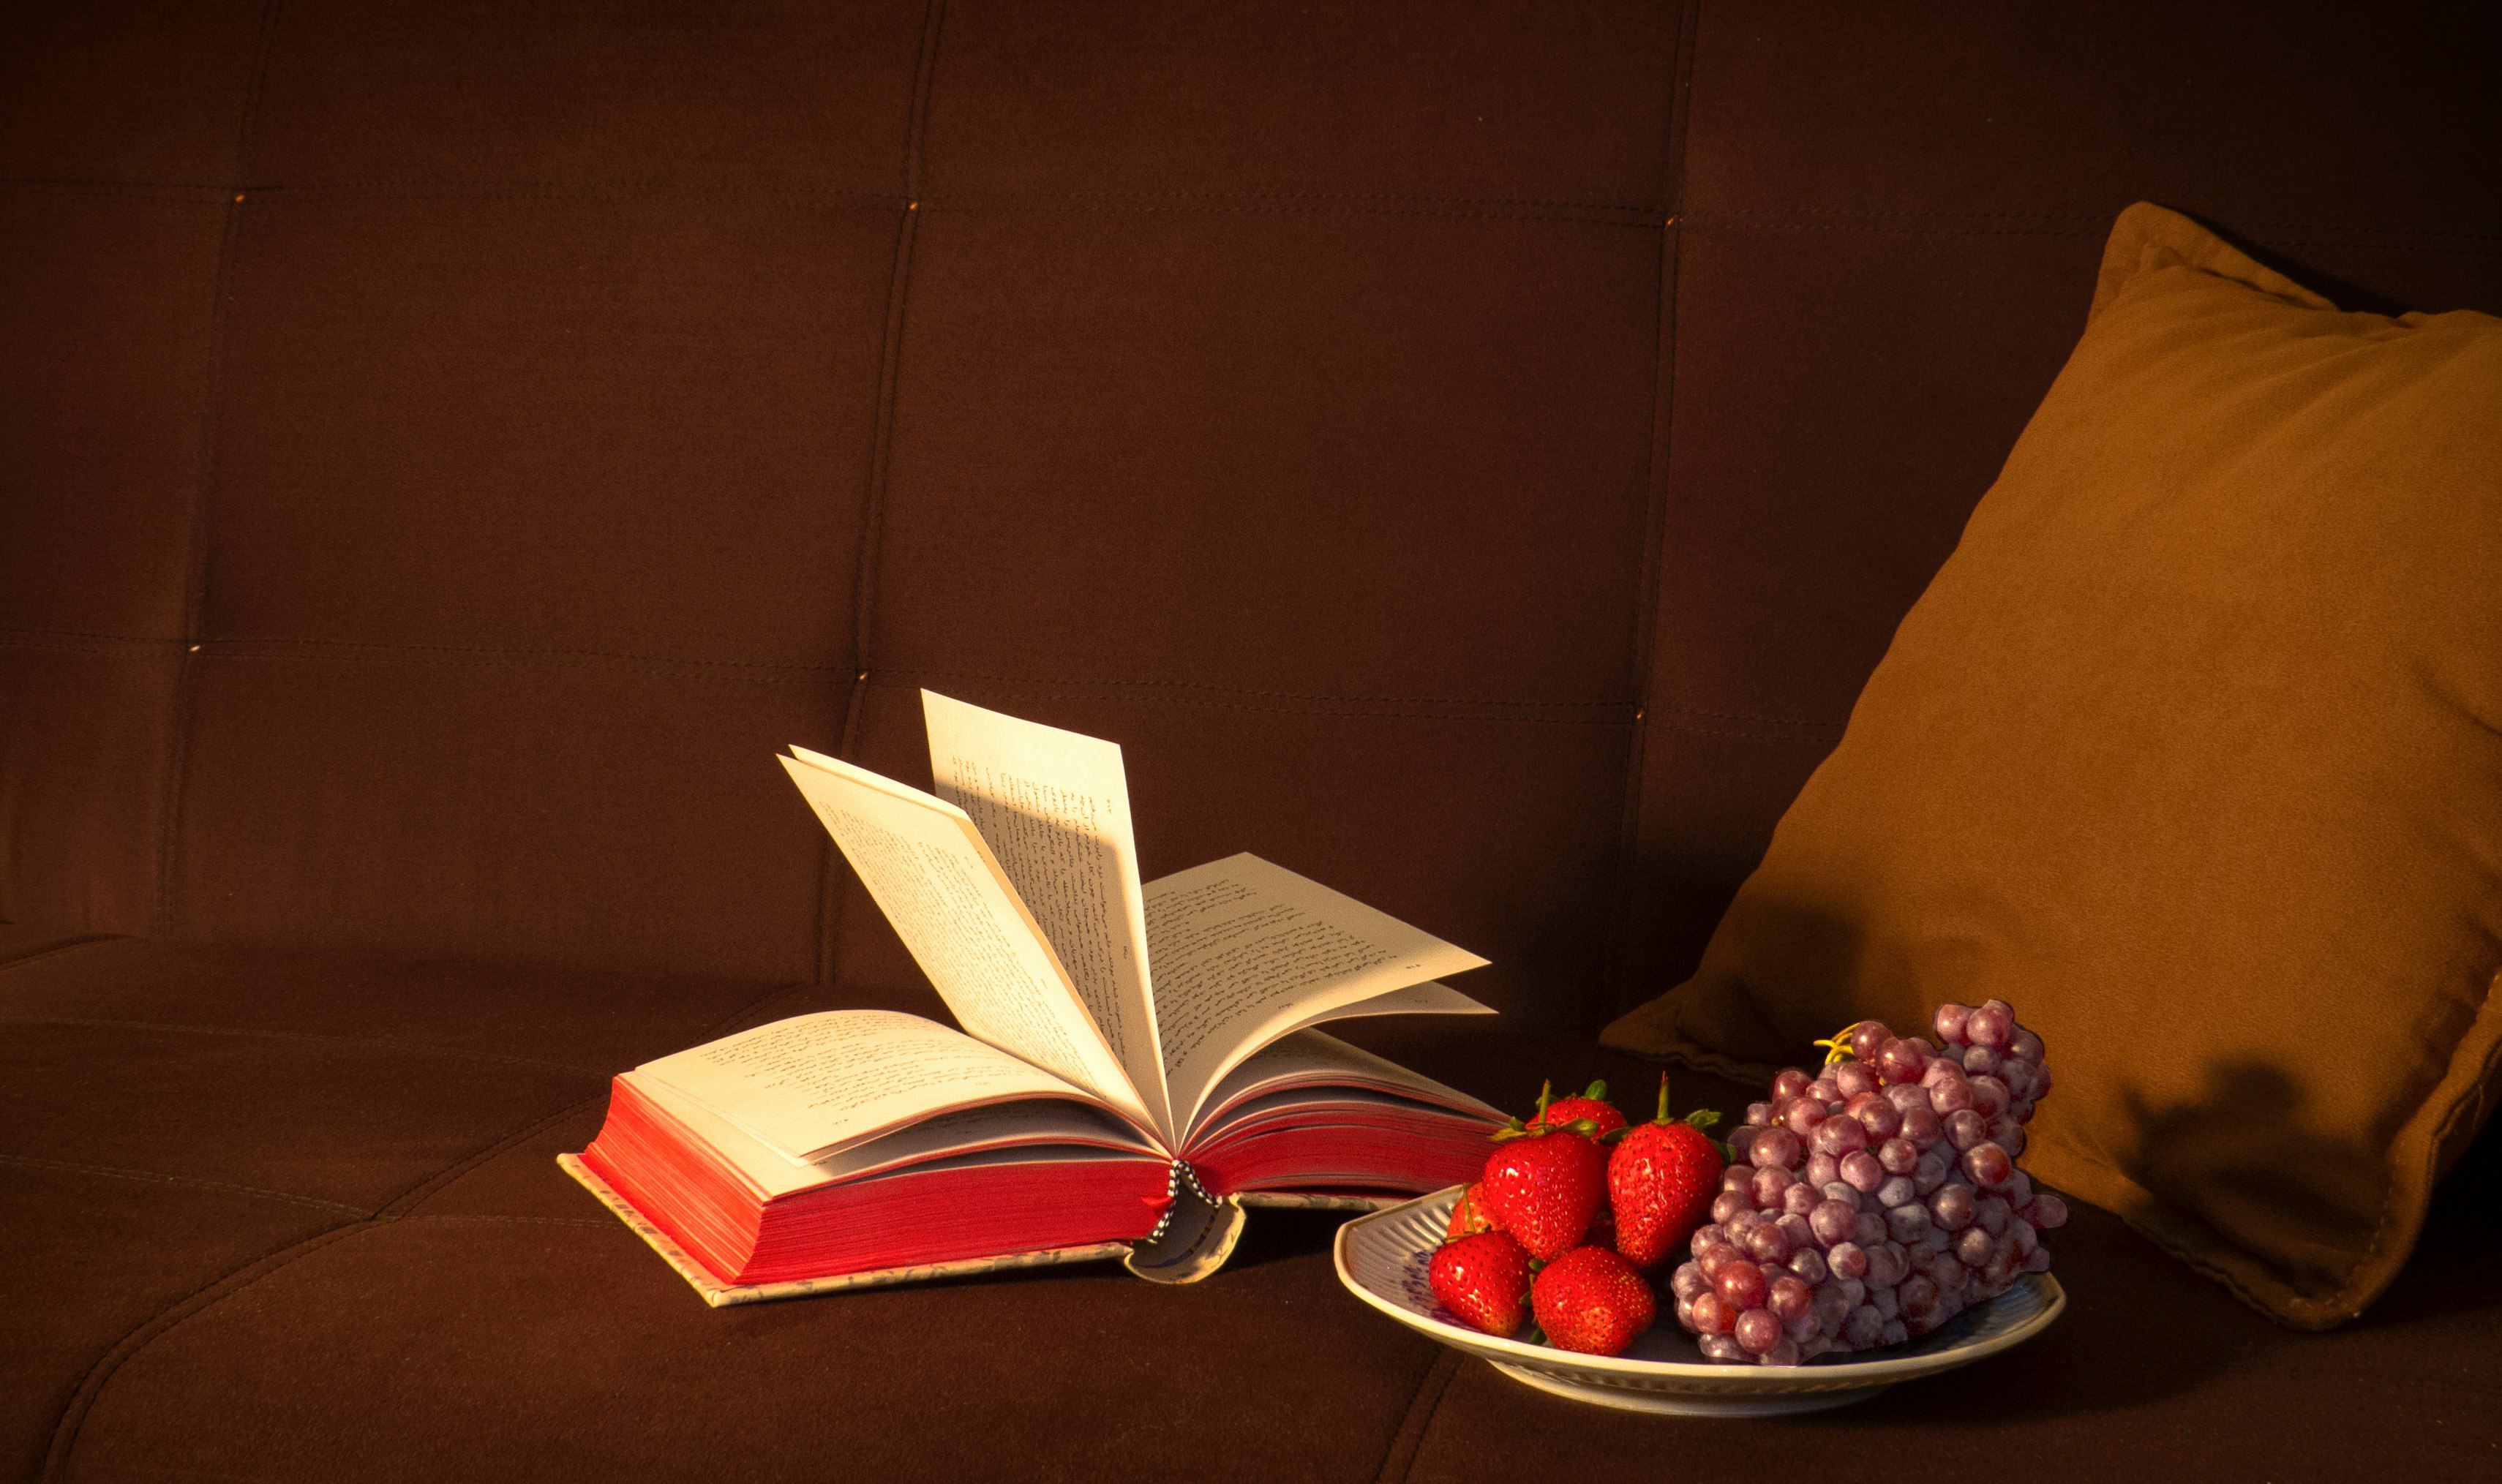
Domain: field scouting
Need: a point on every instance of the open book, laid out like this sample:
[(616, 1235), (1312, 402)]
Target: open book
[(1135, 1061)]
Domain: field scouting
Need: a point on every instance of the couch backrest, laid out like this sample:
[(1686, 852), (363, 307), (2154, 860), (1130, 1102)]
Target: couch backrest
[(1469, 452)]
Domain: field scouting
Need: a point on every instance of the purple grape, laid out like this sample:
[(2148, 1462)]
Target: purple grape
[(1974, 1247), (1741, 1283), (1886, 1266), (2025, 1046), (1860, 1325), (1980, 1061), (1687, 1283), (1868, 1230), (1899, 1156), (1726, 1205), (1988, 1166), (1868, 1038), (1989, 1096), (2018, 1078), (2019, 1190), (1758, 1329), (1949, 1096), (1894, 1333), (2008, 1134), (2047, 1212), (1770, 1182), (1739, 1176), (1902, 1061), (1822, 1169), (1847, 1259), (1950, 1277), (1712, 1260), (1823, 1090), (1704, 1238), (1803, 1116), (1896, 1191), (1951, 1207), (1950, 1023), (1832, 1306), (1966, 1128), (1879, 1118), (1991, 1025), (1712, 1314), (1906, 1096), (1722, 1347), (1685, 1315), (1833, 1222), (1862, 1172), (1921, 1125), (1800, 1198), (1790, 1297), (1839, 1136), (1853, 1078), (1795, 1227), (1759, 1114), (1809, 1264), (1768, 1244), (1887, 1301), (1784, 1352), (1918, 1295), (1790, 1082), (1777, 1147), (1909, 1221), (2027, 1241), (2039, 1261)]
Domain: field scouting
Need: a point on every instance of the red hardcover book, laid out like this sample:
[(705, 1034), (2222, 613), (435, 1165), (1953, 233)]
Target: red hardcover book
[(1134, 1063)]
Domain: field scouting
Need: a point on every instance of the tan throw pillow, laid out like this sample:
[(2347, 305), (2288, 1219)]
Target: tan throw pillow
[(2192, 752)]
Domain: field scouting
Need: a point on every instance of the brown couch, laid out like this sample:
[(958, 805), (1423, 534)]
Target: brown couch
[(1469, 453)]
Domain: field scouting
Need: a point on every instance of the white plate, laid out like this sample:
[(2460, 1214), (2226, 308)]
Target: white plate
[(1382, 1259)]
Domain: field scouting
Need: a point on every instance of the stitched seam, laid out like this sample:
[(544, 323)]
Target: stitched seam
[(1281, 696), (661, 669), (316, 1037), (1399, 1460), (58, 948), (242, 648), (409, 1199), (146, 1332), (1418, 716), (609, 1224), (1644, 222), (1645, 617), (1743, 716), (1703, 220), (187, 1182)]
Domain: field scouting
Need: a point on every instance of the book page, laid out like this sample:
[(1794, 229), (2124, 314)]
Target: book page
[(815, 1085), (1055, 1122), (1327, 1067), (1245, 951), (929, 872), (1054, 807)]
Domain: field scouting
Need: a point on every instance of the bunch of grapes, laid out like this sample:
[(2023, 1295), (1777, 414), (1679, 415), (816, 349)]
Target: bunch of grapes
[(1872, 1203)]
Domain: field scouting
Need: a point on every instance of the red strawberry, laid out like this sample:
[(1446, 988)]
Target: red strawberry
[(1661, 1180), (1592, 1105), (1470, 1216), (1544, 1181), (1484, 1279), (1591, 1301)]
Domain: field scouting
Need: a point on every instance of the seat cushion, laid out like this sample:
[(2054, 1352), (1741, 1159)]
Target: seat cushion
[(282, 1216)]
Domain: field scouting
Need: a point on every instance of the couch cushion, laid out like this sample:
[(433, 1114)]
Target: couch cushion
[(491, 1323)]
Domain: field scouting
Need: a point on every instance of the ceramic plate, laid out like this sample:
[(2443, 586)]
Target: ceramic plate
[(1383, 1258)]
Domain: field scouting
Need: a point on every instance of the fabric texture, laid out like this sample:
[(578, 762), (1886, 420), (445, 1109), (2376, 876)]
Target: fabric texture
[(2192, 751)]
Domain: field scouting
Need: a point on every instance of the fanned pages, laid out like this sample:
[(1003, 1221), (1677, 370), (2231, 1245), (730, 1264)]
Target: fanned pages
[(1135, 1063), (936, 880), (1055, 807)]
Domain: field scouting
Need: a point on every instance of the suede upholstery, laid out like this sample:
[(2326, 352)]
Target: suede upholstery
[(1469, 453)]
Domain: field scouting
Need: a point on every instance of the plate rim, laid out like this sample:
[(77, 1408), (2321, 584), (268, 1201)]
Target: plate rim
[(1817, 1375)]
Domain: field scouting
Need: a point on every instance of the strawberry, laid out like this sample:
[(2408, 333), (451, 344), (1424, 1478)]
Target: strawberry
[(1484, 1279), (1661, 1180), (1591, 1301), (1470, 1216), (1544, 1181), (1592, 1105)]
